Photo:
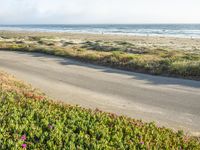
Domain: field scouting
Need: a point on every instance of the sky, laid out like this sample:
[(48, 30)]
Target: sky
[(99, 11)]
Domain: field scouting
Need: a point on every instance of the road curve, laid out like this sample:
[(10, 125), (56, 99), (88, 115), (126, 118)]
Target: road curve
[(170, 102)]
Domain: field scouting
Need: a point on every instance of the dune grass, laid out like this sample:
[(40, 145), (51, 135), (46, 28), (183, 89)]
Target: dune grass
[(118, 54), (30, 120)]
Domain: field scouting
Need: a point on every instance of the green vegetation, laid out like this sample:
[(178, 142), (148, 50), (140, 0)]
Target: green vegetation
[(156, 60), (28, 119)]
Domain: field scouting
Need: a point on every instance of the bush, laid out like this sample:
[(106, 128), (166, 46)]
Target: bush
[(186, 68)]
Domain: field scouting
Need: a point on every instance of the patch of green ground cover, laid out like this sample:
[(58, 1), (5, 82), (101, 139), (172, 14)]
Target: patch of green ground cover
[(66, 43), (30, 120), (118, 54), (99, 46)]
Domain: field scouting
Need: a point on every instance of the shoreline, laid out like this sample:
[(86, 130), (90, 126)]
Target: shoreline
[(100, 34), (103, 33)]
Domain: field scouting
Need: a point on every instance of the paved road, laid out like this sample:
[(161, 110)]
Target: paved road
[(167, 101)]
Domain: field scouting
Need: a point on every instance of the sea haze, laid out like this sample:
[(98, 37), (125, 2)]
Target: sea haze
[(173, 30)]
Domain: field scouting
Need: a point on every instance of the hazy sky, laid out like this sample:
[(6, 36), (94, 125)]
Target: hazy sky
[(99, 11)]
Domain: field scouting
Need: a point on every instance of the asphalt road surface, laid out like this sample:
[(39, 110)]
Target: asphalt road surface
[(171, 102)]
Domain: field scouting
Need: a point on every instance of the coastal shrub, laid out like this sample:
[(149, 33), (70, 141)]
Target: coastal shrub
[(29, 120), (67, 43), (124, 43), (41, 42), (117, 54), (19, 42), (186, 68), (35, 38), (98, 47)]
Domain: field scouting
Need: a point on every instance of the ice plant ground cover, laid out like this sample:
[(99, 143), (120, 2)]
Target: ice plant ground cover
[(30, 120)]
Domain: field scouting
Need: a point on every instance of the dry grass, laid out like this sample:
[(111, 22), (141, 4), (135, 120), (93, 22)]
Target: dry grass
[(129, 55)]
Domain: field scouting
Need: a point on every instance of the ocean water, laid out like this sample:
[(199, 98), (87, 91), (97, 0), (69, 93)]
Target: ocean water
[(172, 30)]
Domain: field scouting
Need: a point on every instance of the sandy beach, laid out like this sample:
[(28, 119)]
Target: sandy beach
[(173, 43)]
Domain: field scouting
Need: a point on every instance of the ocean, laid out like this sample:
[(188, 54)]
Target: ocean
[(172, 30)]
